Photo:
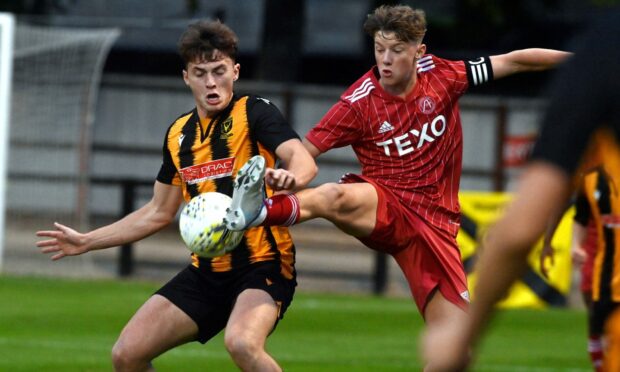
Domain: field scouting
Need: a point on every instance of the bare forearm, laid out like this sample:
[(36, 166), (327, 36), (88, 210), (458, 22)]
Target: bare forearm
[(525, 60), (304, 169), (536, 59), (297, 160), (133, 227)]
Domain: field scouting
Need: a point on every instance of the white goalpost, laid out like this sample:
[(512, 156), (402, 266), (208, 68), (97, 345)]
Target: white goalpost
[(7, 27), (54, 79)]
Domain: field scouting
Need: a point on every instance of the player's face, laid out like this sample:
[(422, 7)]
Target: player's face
[(396, 60), (211, 83)]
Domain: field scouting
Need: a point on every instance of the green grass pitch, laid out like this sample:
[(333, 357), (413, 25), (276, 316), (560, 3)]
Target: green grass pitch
[(50, 324)]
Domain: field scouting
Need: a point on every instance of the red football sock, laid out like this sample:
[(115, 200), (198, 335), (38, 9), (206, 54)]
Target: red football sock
[(282, 210), (595, 349)]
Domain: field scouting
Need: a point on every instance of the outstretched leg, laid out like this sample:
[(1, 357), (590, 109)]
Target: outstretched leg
[(352, 207)]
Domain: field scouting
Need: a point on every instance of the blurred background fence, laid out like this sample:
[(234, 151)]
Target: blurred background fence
[(132, 115)]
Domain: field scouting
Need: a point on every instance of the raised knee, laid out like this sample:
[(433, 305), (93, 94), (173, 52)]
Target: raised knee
[(120, 357), (333, 194), (125, 359), (241, 348), (331, 190)]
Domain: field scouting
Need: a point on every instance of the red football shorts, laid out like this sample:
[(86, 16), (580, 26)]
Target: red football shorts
[(429, 257)]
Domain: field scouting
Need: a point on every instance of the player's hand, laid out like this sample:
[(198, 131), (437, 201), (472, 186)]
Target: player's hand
[(279, 179), (547, 252), (64, 242)]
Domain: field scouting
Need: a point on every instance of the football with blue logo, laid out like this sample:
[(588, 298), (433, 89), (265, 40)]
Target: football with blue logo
[(202, 227)]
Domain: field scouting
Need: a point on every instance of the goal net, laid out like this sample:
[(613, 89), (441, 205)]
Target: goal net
[(55, 80)]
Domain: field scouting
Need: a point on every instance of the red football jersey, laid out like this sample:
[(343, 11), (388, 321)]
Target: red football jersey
[(414, 145)]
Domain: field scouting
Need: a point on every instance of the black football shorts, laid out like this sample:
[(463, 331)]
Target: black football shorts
[(208, 297)]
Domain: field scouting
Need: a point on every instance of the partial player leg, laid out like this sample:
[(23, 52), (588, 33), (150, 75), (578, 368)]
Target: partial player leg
[(443, 314), (247, 199), (252, 319), (352, 207), (156, 327), (595, 338), (612, 335)]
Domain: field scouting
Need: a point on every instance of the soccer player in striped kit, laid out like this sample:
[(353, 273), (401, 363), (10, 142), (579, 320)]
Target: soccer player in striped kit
[(402, 120), (585, 242), (247, 290)]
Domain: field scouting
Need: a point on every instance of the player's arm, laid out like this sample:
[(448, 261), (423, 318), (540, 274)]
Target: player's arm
[(339, 127), (524, 60), (152, 217), (313, 150), (298, 167)]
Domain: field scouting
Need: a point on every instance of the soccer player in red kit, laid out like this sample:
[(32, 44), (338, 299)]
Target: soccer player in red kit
[(402, 120)]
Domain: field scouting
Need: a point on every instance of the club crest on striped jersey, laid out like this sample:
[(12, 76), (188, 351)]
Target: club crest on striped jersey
[(426, 105), (226, 128)]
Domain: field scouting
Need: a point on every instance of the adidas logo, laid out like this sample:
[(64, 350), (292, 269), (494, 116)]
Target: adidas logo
[(385, 127)]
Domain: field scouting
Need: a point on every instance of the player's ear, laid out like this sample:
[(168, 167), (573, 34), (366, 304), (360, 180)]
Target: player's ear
[(185, 77), (420, 51), (236, 69)]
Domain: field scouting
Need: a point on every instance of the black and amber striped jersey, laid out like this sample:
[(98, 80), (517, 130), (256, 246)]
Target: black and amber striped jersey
[(599, 186), (204, 155)]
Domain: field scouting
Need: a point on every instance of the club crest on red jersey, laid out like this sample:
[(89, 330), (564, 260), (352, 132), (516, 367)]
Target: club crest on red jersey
[(426, 105)]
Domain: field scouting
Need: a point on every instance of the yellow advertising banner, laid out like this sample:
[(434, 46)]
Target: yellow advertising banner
[(479, 210)]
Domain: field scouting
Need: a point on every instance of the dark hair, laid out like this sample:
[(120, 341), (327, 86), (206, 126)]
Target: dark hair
[(408, 24), (204, 39)]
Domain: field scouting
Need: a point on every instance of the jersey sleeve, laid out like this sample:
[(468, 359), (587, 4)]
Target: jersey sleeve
[(267, 123), (338, 128), (458, 75), (168, 173)]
